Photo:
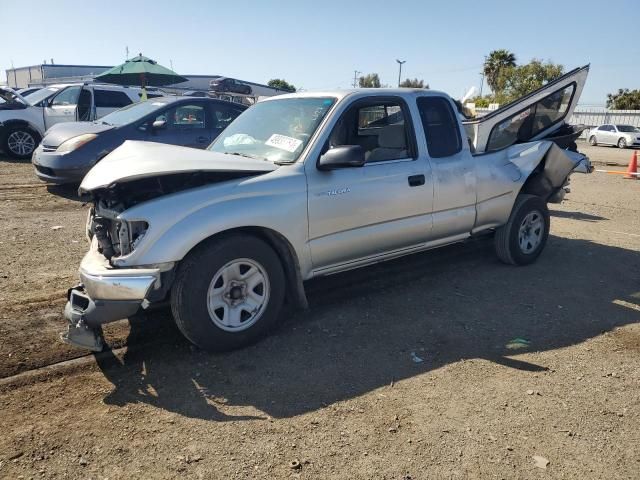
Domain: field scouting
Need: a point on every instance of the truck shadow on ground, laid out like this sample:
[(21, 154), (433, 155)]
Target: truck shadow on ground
[(577, 216), (366, 327)]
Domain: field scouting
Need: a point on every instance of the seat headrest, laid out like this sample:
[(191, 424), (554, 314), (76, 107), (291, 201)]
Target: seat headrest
[(392, 136)]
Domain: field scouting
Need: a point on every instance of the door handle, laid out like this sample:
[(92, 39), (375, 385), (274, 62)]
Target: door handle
[(416, 180), (201, 139)]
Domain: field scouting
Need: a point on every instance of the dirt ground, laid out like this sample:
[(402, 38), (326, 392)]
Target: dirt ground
[(445, 364)]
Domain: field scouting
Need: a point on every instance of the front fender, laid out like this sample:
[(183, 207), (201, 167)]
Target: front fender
[(7, 125), (179, 222)]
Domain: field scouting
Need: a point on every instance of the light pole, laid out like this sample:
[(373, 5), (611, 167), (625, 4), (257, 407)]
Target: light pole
[(400, 62), (355, 78)]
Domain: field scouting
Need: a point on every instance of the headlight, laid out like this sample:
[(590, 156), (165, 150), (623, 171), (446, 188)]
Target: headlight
[(75, 142)]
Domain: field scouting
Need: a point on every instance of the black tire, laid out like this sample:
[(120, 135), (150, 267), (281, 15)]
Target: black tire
[(622, 143), (189, 294), (507, 238), (22, 135), (592, 141)]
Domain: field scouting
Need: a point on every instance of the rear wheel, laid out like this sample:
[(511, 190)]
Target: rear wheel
[(228, 292), (592, 140), (622, 143), (20, 142), (521, 240)]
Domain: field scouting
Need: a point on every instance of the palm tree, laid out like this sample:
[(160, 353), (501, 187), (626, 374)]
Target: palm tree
[(497, 61)]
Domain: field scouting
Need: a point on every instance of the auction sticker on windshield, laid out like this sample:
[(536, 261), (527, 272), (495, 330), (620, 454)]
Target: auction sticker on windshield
[(283, 142)]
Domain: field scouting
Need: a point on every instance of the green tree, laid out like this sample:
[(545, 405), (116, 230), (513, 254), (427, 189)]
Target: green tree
[(518, 81), (281, 84), (624, 99), (482, 102), (415, 83), (494, 64), (370, 80)]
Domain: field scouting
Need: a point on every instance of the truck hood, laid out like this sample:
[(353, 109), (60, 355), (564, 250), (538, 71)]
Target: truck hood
[(61, 132), (135, 160)]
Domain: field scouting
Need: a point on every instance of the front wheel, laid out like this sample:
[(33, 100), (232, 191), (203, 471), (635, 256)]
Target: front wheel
[(622, 143), (228, 292), (592, 141), (20, 142), (521, 240)]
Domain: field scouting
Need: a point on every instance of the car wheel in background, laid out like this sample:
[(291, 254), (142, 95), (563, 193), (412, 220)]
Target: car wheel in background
[(622, 143), (592, 140), (521, 240), (228, 292), (20, 142)]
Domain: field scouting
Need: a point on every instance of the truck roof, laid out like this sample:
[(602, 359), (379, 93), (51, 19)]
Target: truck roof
[(340, 94)]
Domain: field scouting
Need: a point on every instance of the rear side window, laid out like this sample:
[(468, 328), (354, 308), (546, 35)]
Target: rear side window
[(223, 115), (111, 99), (440, 126)]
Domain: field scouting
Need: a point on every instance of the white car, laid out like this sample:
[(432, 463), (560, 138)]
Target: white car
[(25, 119), (621, 135)]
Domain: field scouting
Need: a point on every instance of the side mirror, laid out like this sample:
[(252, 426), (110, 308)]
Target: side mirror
[(159, 124), (347, 156)]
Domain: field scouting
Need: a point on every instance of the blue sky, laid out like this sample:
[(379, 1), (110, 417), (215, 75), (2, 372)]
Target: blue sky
[(318, 44)]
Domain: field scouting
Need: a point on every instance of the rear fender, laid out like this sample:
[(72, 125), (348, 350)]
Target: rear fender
[(547, 169)]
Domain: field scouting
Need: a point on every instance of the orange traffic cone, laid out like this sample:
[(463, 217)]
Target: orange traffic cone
[(633, 167)]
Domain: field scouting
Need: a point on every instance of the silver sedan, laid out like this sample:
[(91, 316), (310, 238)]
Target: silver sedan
[(621, 135)]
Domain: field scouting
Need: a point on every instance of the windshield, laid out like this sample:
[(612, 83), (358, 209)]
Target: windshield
[(627, 128), (36, 97), (274, 130), (132, 112)]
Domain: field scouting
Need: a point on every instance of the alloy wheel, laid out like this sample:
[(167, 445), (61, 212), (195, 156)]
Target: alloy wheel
[(21, 143)]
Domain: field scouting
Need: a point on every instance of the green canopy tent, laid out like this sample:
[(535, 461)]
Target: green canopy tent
[(141, 71)]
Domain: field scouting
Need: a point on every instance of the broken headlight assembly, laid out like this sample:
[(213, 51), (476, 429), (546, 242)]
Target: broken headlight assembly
[(117, 237)]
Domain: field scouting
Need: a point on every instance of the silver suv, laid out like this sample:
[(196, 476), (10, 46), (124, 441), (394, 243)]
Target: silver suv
[(24, 119)]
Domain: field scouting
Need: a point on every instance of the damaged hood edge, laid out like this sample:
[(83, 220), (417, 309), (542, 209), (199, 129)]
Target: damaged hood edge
[(135, 160)]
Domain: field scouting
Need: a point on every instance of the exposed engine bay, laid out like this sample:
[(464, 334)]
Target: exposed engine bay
[(116, 237)]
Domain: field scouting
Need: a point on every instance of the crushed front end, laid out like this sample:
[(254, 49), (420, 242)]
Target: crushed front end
[(107, 293)]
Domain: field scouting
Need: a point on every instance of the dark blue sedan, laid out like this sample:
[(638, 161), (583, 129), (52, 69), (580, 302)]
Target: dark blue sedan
[(69, 150)]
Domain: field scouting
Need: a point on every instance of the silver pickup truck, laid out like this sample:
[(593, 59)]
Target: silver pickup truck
[(305, 185)]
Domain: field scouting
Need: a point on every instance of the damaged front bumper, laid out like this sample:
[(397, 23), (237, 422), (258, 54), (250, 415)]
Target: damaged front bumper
[(106, 294)]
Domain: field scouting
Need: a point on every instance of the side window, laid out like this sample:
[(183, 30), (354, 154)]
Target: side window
[(508, 131), (524, 125), (551, 109), (440, 126), (184, 117), (68, 96), (223, 115), (110, 99), (378, 127)]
